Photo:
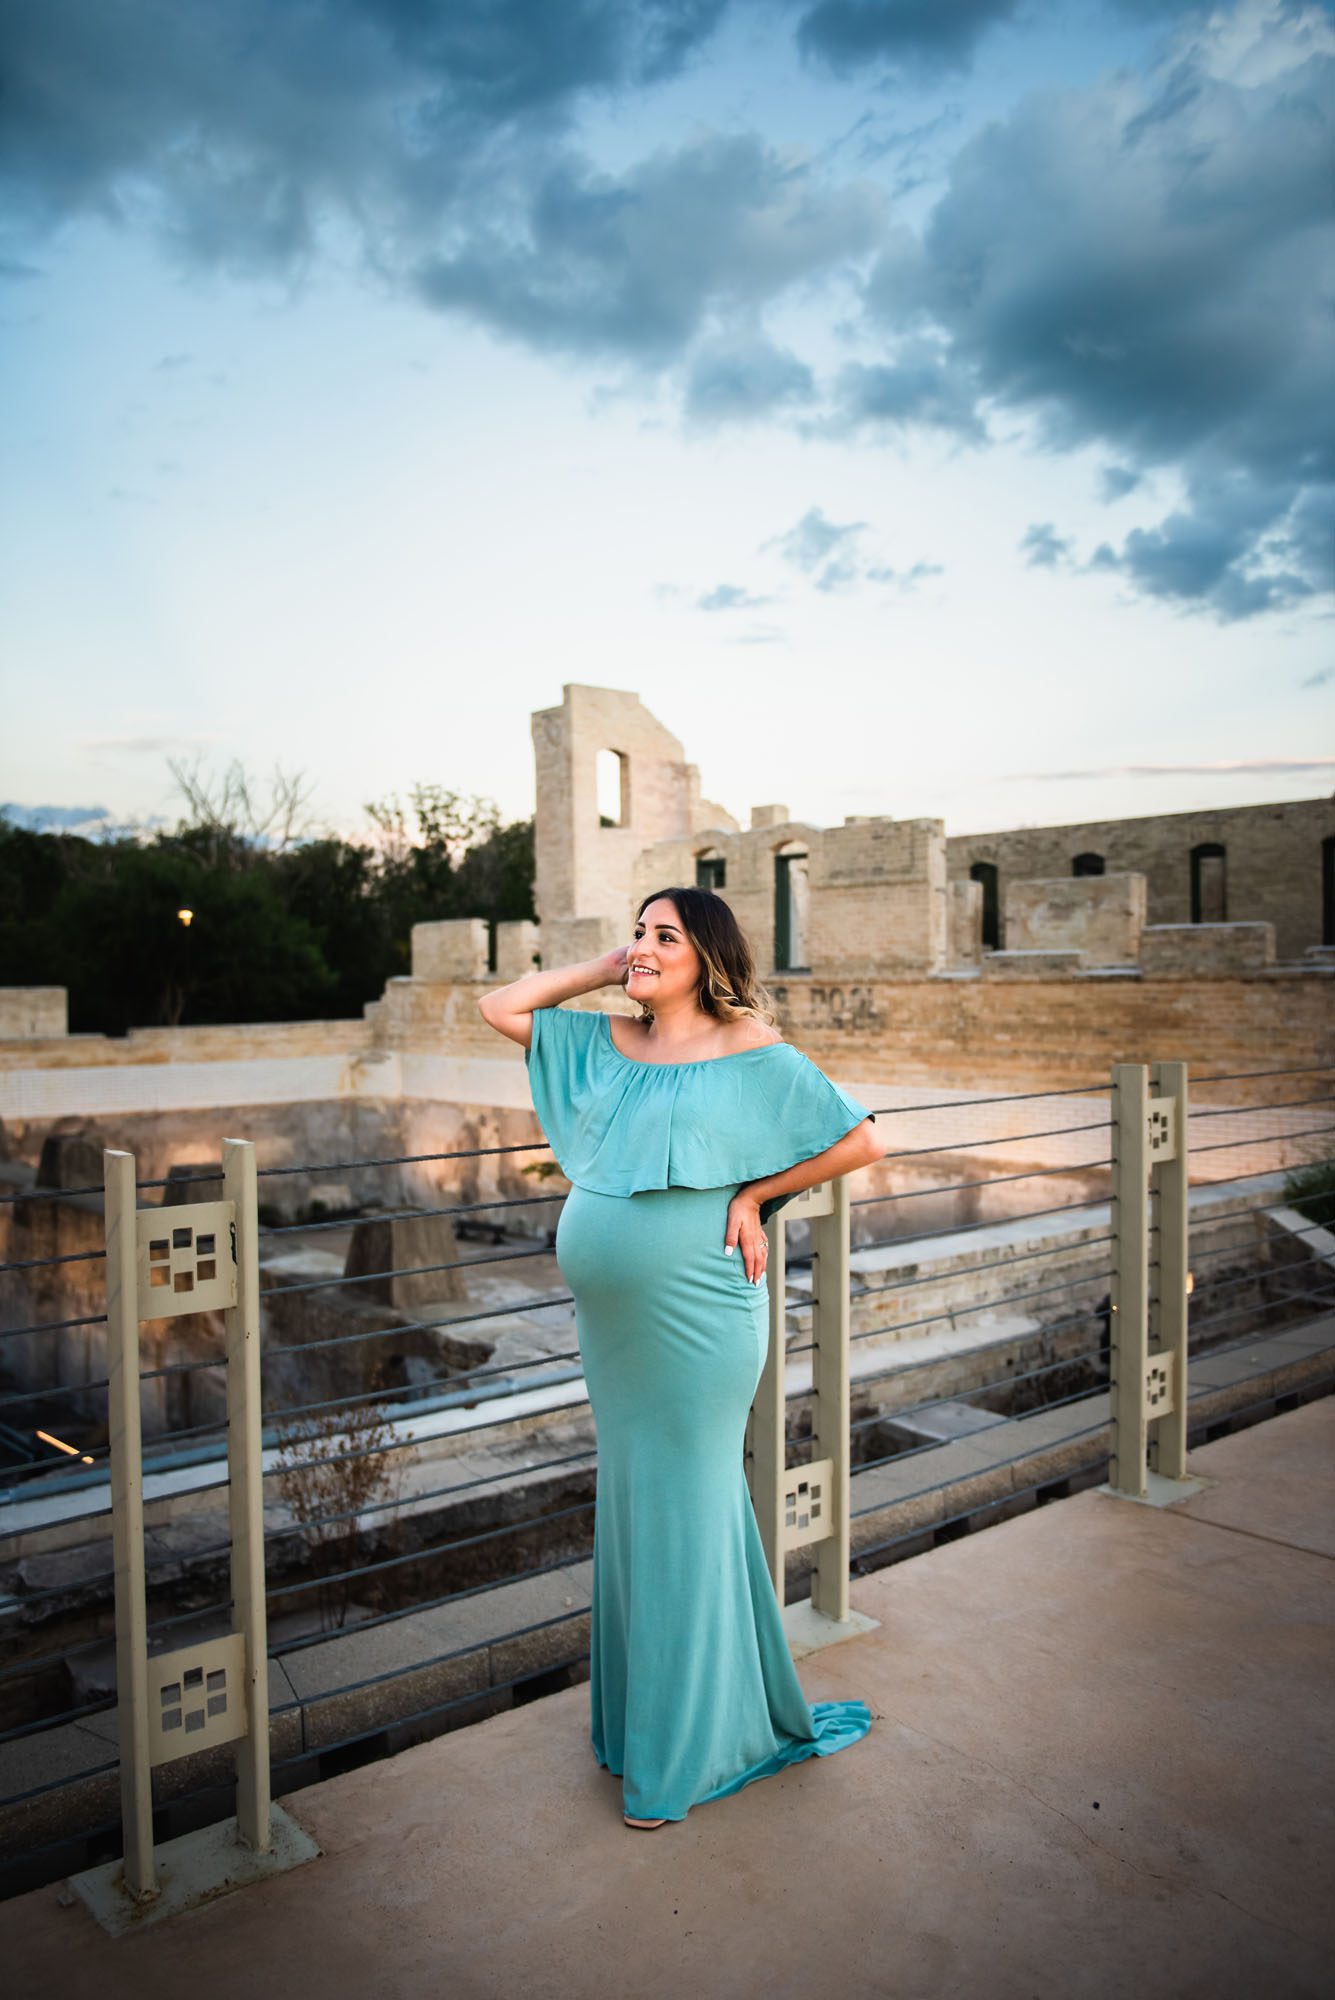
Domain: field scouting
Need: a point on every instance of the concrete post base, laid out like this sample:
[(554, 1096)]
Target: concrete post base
[(1160, 1492), (808, 1631), (196, 1868)]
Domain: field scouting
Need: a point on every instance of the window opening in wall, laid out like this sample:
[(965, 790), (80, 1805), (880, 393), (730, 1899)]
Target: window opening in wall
[(791, 893), (986, 873), (1088, 864), (710, 870), (612, 771), (1209, 889), (1328, 889)]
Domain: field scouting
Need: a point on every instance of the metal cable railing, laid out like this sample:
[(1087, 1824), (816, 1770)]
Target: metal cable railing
[(397, 1400), (212, 1177), (181, 1368), (216, 1550)]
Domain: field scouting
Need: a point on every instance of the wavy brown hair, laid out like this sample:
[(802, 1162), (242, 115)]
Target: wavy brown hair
[(729, 988)]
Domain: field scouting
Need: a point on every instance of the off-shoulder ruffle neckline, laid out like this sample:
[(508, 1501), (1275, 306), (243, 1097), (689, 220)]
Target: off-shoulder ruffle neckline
[(695, 1062)]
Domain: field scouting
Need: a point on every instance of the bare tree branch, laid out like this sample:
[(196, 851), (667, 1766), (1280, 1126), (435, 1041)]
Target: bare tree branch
[(226, 805)]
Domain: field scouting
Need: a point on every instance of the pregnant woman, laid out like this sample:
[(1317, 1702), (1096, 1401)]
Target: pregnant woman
[(681, 1133)]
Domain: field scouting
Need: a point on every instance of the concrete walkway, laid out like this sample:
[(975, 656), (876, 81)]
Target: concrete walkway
[(1102, 1764)]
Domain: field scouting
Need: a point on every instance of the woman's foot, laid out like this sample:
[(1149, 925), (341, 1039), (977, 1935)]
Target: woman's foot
[(642, 1822)]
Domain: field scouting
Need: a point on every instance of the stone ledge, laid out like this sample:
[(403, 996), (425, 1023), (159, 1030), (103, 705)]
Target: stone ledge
[(1032, 964)]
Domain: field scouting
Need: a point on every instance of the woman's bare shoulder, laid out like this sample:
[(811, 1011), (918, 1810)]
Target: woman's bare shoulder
[(755, 1034)]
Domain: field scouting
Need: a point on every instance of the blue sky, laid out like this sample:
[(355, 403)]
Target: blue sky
[(926, 406)]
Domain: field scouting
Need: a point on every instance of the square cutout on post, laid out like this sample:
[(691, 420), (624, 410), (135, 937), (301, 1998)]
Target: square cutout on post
[(197, 1694), (182, 1271)]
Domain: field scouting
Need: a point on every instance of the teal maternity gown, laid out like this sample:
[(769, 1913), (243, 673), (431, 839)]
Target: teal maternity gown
[(693, 1693)]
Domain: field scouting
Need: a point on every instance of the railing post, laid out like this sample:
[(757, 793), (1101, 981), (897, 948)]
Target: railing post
[(830, 1439), (246, 1496), (1148, 1366), (127, 1524), (1168, 1293), (1129, 1336), (161, 1263), (766, 1426), (809, 1504)]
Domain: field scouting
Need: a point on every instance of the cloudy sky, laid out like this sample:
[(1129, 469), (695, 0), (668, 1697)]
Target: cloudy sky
[(926, 406)]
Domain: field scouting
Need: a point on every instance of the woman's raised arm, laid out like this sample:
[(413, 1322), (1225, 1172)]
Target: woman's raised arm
[(509, 1009)]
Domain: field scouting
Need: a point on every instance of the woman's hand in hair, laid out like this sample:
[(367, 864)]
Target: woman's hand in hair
[(614, 966)]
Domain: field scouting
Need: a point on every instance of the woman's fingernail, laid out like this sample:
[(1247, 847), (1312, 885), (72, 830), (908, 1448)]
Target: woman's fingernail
[(727, 1249)]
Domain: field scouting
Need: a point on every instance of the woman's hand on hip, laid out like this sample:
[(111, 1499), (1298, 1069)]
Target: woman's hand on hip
[(744, 1229)]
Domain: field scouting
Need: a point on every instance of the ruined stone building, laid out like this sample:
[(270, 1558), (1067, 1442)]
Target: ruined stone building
[(1228, 890)]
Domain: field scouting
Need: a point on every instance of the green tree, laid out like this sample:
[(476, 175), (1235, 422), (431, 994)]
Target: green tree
[(288, 921)]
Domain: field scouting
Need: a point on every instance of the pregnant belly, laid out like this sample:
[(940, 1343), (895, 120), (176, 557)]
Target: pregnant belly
[(659, 1307)]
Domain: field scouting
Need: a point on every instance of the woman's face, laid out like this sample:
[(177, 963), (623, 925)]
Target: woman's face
[(671, 962)]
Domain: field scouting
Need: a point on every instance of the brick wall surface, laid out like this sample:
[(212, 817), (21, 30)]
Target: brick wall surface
[(965, 1033), (1101, 916), (1193, 951), (30, 1012), (456, 949), (517, 948), (964, 923), (1059, 1033), (259, 1041), (1272, 866)]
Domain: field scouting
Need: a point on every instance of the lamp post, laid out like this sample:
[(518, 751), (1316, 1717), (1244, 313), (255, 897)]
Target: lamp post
[(185, 918)]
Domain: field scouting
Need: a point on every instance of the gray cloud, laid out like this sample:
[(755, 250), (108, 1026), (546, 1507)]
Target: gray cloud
[(440, 138), (924, 385), (249, 124), (911, 151), (814, 540), (56, 819), (635, 265), (905, 579), (1265, 767), (822, 549), (730, 597), (846, 35), (1243, 545), (739, 379), (1148, 268), (1117, 481), (830, 553), (760, 635), (1042, 547)]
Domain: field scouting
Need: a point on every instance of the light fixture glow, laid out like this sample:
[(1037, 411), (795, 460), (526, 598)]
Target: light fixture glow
[(59, 1443), (186, 917)]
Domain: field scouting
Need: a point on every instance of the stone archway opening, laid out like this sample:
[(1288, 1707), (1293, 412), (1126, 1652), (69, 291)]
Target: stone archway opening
[(792, 893), (612, 784)]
